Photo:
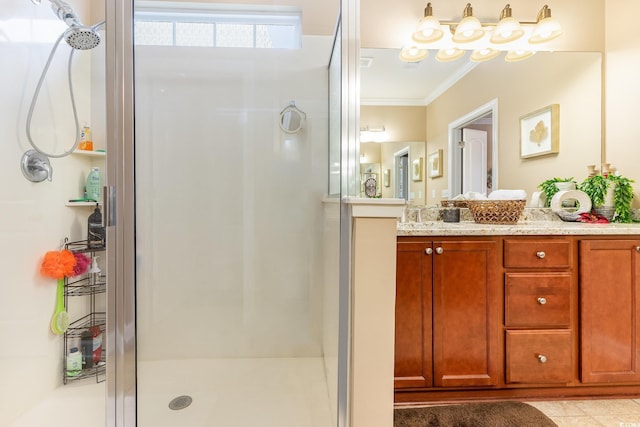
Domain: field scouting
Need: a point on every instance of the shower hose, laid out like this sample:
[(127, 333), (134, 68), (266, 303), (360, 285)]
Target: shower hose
[(73, 102)]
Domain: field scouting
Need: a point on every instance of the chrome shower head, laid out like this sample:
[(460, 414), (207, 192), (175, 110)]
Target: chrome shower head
[(82, 38), (77, 36)]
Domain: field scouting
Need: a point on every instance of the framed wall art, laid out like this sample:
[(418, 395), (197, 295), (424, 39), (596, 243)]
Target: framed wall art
[(539, 132), (434, 162), (416, 169)]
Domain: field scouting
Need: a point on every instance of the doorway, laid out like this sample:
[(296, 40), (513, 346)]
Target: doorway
[(473, 151), (401, 166)]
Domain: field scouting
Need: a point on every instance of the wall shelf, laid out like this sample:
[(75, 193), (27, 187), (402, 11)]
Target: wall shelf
[(90, 153)]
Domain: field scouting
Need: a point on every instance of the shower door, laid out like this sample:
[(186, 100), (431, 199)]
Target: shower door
[(234, 240)]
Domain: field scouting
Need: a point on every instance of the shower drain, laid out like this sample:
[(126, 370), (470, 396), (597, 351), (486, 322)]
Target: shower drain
[(180, 402)]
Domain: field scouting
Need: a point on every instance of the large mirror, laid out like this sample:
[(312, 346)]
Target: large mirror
[(425, 109)]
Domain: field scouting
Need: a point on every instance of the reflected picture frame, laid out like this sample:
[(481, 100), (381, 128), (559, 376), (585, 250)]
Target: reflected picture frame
[(434, 163), (540, 132), (416, 169)]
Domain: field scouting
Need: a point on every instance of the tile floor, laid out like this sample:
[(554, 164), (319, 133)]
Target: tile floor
[(592, 413), (221, 392)]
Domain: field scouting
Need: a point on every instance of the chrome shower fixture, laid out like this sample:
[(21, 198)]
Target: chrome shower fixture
[(36, 166), (78, 36)]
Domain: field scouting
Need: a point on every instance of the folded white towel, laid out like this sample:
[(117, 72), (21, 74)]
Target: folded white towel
[(508, 195), (470, 195)]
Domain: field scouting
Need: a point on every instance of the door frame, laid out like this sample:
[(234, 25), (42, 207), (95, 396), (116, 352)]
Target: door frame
[(120, 219), (455, 182)]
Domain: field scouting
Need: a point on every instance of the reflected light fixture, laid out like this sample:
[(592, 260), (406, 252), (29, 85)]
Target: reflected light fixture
[(518, 55), (484, 54), (508, 28), (449, 54), (469, 29), (373, 135), (429, 29), (413, 54), (546, 28)]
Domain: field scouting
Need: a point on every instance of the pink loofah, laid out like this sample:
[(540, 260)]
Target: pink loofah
[(82, 264)]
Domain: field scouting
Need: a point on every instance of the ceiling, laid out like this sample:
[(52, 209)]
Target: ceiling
[(386, 80)]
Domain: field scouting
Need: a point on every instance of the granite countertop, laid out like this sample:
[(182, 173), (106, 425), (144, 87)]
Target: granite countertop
[(532, 222)]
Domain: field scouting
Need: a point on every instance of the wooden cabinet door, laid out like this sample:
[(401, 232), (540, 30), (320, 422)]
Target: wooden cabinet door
[(466, 313), (609, 310), (413, 354)]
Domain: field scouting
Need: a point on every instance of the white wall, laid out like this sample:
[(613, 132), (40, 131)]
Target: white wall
[(33, 218), (229, 210)]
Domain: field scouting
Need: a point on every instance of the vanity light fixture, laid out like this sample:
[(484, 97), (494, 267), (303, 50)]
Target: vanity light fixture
[(518, 55), (469, 29), (486, 40), (413, 54), (373, 135), (429, 29), (508, 28), (450, 54), (546, 28), (484, 54)]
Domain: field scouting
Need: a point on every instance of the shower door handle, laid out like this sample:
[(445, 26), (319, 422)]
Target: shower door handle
[(109, 198)]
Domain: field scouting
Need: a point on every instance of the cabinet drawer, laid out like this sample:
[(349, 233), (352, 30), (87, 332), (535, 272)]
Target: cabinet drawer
[(538, 299), (531, 253), (540, 356)]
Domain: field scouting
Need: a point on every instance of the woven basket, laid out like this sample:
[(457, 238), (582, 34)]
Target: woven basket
[(496, 211), (454, 203)]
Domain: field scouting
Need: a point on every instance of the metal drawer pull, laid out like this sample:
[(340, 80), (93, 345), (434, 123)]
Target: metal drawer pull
[(542, 300), (439, 250), (428, 251), (540, 254), (637, 248), (542, 358)]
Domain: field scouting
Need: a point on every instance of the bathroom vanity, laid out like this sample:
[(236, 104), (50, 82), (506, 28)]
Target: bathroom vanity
[(540, 309)]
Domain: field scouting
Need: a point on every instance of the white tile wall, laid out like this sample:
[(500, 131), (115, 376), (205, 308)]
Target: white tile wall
[(33, 218), (276, 171)]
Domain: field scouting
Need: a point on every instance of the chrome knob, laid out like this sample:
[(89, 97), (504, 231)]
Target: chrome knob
[(428, 251), (542, 300), (637, 248), (540, 254), (439, 250), (542, 358)]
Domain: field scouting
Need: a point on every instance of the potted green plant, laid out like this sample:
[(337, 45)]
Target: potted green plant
[(598, 186), (549, 187)]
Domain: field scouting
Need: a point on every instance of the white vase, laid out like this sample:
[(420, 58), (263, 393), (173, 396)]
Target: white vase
[(609, 198), (567, 186)]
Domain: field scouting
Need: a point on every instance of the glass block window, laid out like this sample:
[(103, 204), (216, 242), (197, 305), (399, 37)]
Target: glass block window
[(210, 27), (194, 33), (154, 33), (235, 35)]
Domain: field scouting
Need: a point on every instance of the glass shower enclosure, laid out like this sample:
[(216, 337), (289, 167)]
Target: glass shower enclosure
[(225, 306)]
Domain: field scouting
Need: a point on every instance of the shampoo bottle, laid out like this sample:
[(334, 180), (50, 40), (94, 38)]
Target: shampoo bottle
[(86, 343), (94, 184), (74, 362), (95, 231)]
